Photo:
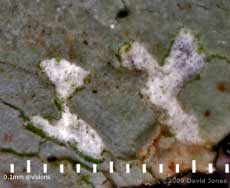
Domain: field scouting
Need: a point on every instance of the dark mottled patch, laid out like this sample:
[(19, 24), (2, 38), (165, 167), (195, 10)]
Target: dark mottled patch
[(172, 166), (70, 42), (123, 13), (184, 6), (207, 113), (94, 91), (223, 87), (7, 138), (85, 42), (52, 159)]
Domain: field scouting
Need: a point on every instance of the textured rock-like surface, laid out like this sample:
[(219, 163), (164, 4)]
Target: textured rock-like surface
[(90, 32), (27, 91), (13, 136), (213, 115)]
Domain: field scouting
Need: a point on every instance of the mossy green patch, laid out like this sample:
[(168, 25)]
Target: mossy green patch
[(86, 157), (197, 77), (84, 181), (76, 91), (87, 79), (40, 68), (217, 56), (1, 70), (126, 47), (41, 133), (59, 103), (200, 50), (58, 59), (166, 51), (123, 48), (118, 57), (36, 130)]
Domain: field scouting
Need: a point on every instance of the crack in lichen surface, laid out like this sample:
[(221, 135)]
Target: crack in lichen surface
[(164, 83), (19, 154), (39, 132)]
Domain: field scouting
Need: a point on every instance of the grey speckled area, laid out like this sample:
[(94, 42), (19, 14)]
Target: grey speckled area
[(13, 135)]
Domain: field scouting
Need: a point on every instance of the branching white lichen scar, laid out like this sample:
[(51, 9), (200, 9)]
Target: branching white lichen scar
[(70, 128), (164, 82)]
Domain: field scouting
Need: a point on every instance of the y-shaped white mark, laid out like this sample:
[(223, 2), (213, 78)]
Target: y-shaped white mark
[(70, 128), (164, 83)]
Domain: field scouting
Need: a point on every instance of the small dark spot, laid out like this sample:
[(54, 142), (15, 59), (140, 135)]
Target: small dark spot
[(185, 6), (140, 95), (52, 159), (7, 138), (207, 113), (94, 91), (123, 13), (221, 87), (85, 42), (126, 34), (198, 77), (33, 95), (24, 170)]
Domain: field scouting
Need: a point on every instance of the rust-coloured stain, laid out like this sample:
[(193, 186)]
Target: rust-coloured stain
[(164, 132), (207, 113), (223, 87), (7, 137), (184, 6), (172, 166), (70, 42)]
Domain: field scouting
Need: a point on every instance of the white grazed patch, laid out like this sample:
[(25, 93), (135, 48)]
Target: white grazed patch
[(70, 128), (164, 83), (64, 75)]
